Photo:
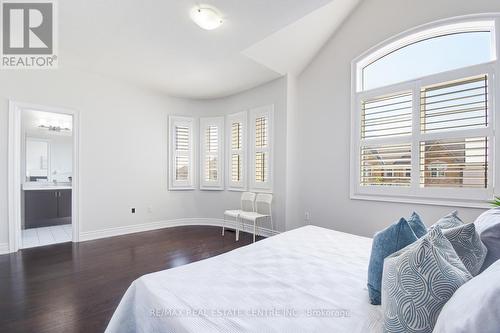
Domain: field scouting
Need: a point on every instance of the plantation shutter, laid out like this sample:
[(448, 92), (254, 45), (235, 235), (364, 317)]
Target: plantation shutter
[(261, 148), (383, 163), (211, 137), (182, 144), (181, 175), (237, 154), (459, 106), (261, 145)]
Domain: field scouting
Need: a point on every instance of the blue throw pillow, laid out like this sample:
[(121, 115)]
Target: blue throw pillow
[(386, 242), (417, 225)]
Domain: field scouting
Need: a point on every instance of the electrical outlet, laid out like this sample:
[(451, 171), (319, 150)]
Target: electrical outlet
[(133, 210)]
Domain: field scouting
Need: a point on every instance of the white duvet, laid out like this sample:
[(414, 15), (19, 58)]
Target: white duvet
[(309, 279)]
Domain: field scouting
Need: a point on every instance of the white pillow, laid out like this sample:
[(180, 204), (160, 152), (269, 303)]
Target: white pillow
[(475, 306), (488, 227)]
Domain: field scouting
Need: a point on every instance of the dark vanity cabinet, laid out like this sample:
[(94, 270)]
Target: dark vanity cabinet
[(44, 208)]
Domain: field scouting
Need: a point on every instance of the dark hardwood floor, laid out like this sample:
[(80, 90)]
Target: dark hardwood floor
[(76, 287)]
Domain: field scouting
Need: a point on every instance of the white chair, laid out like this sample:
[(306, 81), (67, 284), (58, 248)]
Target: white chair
[(247, 206), (263, 212)]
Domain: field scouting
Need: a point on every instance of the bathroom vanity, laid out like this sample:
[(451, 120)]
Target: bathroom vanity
[(46, 205)]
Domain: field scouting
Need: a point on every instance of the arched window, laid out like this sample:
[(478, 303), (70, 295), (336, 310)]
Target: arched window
[(423, 97)]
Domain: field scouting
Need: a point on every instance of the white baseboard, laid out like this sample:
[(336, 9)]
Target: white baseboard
[(4, 248), (117, 231)]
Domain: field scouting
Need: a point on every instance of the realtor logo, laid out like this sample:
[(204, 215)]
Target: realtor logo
[(28, 34)]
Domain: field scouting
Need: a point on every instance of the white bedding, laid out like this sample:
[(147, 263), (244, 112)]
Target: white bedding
[(271, 286)]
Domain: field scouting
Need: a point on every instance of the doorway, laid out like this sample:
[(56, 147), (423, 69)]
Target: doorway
[(43, 176)]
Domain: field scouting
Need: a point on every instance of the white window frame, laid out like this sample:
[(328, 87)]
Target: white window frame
[(464, 197), (205, 123), (174, 184), (255, 113), (240, 117)]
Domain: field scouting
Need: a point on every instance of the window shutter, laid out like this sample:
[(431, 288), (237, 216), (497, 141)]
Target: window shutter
[(182, 146), (181, 175), (454, 163), (237, 141), (236, 145), (457, 107), (462, 104), (383, 118), (211, 137), (211, 156), (261, 156), (387, 165), (261, 153), (387, 116)]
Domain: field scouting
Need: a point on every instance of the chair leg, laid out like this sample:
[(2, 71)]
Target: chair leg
[(254, 229), (242, 224), (237, 230), (223, 225), (272, 223)]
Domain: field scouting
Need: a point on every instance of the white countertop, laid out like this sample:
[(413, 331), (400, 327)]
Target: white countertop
[(45, 187)]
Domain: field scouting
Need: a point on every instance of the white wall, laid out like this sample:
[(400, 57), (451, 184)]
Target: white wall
[(123, 145), (324, 116), (293, 162)]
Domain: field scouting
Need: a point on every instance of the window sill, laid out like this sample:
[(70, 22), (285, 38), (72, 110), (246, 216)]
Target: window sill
[(236, 189), (423, 201), (181, 189)]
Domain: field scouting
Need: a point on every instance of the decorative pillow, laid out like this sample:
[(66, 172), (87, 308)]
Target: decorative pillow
[(417, 225), (449, 221), (488, 228), (475, 306), (386, 242), (468, 246), (417, 282)]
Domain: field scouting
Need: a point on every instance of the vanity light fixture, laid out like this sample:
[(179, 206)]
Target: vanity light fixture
[(44, 124), (55, 128), (206, 17)]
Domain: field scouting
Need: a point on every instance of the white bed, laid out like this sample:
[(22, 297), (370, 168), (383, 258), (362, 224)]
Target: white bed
[(270, 286)]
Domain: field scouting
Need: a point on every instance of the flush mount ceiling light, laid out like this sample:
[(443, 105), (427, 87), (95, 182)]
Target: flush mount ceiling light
[(206, 18)]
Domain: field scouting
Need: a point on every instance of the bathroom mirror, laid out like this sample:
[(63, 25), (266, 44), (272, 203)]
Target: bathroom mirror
[(37, 160), (48, 147)]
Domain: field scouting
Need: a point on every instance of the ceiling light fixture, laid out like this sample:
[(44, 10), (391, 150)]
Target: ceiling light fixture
[(206, 18)]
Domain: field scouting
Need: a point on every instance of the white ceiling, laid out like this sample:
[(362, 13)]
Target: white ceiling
[(302, 39), (155, 44)]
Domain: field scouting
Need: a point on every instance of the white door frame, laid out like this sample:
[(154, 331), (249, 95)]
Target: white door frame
[(14, 170)]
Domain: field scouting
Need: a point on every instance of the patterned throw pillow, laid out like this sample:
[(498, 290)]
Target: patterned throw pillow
[(449, 221), (385, 242), (417, 282), (468, 246)]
